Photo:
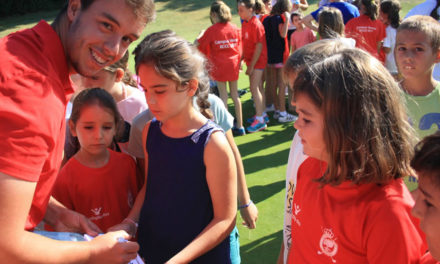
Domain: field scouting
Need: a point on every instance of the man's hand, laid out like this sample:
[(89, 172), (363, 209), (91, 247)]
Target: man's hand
[(107, 248)]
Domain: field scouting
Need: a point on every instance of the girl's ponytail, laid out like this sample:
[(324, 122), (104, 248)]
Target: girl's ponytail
[(371, 8)]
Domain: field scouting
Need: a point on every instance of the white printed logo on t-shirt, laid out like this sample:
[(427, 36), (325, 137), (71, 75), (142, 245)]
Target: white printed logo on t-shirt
[(328, 244)]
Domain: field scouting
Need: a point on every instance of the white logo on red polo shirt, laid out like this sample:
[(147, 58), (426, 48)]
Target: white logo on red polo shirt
[(328, 244), (296, 211)]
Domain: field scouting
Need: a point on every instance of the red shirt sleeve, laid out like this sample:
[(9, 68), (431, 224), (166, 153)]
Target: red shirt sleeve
[(25, 144)]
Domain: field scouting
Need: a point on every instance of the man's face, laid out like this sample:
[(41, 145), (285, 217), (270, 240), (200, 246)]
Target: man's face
[(100, 35)]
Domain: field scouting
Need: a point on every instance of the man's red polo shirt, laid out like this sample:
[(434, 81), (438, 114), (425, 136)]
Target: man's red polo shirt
[(34, 90)]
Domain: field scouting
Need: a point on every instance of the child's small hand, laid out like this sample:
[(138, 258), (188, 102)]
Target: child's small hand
[(249, 215), (107, 249), (71, 221), (126, 225)]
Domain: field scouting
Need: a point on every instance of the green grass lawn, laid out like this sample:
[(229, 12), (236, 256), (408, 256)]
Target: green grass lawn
[(264, 153)]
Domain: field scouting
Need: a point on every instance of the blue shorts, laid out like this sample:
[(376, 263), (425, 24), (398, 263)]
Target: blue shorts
[(235, 246)]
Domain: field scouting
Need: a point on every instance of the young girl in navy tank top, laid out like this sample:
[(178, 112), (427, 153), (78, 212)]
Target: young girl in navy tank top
[(186, 210)]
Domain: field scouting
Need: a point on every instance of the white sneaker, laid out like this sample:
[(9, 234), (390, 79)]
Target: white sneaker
[(270, 108), (287, 118)]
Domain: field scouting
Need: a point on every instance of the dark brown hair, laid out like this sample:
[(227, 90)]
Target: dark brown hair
[(143, 9), (371, 8), (367, 136), (392, 9), (256, 5), (426, 160), (280, 7)]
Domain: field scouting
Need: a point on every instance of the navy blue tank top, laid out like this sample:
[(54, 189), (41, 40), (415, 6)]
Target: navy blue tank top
[(276, 45), (177, 205)]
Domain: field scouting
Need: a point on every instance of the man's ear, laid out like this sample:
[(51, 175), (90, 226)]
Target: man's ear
[(72, 128), (193, 85), (73, 9)]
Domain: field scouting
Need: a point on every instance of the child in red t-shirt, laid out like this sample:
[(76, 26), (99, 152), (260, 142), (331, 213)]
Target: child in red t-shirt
[(221, 44), (351, 204), (97, 182), (255, 57), (367, 30), (426, 162)]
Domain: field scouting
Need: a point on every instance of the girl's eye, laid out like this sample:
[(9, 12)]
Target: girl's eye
[(401, 48), (306, 121), (108, 127), (127, 40), (160, 92), (428, 204), (419, 49), (88, 127)]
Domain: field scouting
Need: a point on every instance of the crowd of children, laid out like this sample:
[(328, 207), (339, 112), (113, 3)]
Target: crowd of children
[(363, 101)]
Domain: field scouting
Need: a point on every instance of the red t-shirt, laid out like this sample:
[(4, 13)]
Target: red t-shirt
[(105, 195), (221, 44), (301, 38), (366, 32), (34, 91), (349, 223), (252, 32)]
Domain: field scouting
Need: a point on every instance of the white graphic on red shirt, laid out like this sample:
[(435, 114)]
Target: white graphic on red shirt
[(96, 211), (295, 215), (98, 214), (297, 209), (328, 244)]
